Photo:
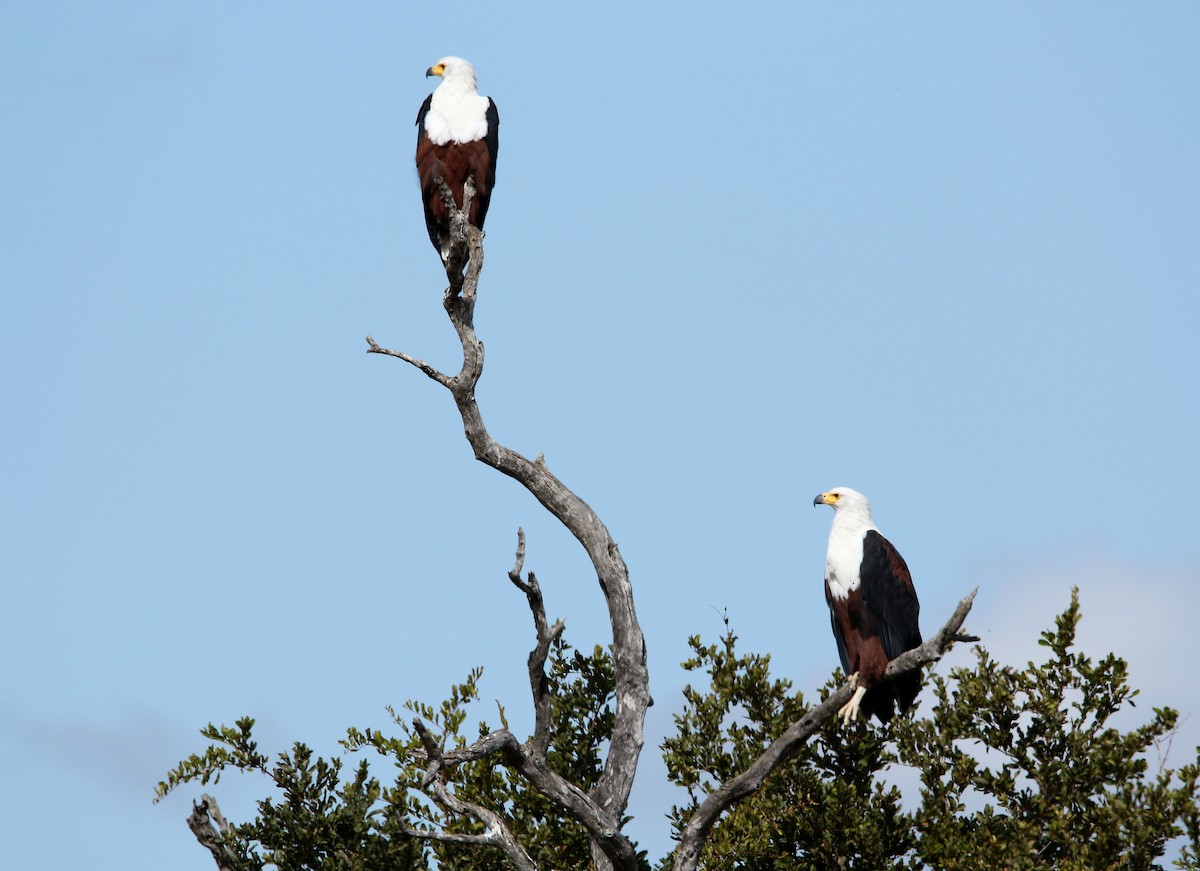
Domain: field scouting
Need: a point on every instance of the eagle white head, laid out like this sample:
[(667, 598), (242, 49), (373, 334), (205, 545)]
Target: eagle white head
[(845, 501), (455, 72)]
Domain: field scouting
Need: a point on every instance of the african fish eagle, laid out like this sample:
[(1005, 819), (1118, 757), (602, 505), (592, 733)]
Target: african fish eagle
[(873, 607), (457, 137)]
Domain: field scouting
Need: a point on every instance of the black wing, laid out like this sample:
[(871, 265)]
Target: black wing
[(421, 117), (888, 590), (493, 139), (426, 162), (837, 633)]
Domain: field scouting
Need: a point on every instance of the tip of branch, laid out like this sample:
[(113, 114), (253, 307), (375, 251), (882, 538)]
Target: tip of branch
[(515, 574)]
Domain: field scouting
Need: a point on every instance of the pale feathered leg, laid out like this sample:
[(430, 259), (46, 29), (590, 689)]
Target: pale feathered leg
[(849, 711)]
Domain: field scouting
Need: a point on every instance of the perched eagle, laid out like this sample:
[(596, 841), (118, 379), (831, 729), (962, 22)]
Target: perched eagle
[(872, 605), (457, 137)]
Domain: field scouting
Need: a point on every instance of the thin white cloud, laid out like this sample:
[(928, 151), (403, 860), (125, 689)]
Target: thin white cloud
[(125, 750), (1142, 612)]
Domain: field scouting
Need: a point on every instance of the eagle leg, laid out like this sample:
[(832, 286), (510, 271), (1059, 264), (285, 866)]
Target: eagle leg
[(849, 711)]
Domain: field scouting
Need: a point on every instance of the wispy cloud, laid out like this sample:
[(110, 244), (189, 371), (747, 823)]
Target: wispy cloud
[(1141, 611), (124, 750)]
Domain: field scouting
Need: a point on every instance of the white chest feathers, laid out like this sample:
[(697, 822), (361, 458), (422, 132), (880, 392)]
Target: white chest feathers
[(843, 559), (456, 115)]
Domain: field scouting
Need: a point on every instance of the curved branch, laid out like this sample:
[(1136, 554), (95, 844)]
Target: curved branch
[(629, 654), (687, 854), (373, 348), (609, 798), (498, 833), (602, 828)]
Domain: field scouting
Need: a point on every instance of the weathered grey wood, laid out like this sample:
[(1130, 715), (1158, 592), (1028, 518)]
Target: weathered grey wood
[(204, 813), (601, 809), (498, 834), (538, 684)]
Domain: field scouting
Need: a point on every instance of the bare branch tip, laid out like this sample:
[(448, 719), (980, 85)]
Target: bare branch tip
[(515, 574)]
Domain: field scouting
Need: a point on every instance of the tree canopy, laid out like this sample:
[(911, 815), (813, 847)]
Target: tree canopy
[(1008, 768)]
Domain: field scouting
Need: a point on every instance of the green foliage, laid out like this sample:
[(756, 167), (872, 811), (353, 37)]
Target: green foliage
[(581, 688), (233, 747), (1059, 786), (319, 822), (1018, 769)]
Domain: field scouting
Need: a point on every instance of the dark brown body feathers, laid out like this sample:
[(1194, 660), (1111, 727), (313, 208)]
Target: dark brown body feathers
[(454, 162)]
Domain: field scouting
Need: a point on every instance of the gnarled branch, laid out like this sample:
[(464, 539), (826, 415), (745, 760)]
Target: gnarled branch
[(204, 813), (546, 634), (497, 834), (601, 809), (458, 255)]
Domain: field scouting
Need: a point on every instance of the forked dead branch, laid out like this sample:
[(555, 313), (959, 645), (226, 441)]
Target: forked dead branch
[(600, 809)]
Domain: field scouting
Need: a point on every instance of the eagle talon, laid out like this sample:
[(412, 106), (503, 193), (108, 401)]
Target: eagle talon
[(849, 711)]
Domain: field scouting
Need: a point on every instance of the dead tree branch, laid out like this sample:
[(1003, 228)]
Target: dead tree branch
[(691, 844), (437, 376), (200, 821), (538, 683), (572, 800), (497, 833), (457, 257), (600, 810)]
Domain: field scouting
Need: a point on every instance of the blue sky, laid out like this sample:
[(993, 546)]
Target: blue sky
[(943, 253)]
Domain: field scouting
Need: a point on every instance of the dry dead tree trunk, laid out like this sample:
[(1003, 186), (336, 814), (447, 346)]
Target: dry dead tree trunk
[(599, 810)]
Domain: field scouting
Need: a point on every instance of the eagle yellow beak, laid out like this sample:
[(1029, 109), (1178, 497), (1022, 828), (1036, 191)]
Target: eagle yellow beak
[(435, 70), (825, 499)]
